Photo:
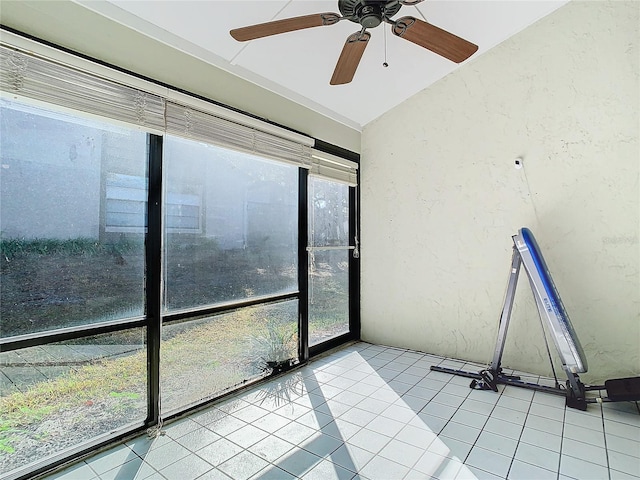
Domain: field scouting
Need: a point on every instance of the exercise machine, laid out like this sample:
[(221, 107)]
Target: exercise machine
[(526, 252)]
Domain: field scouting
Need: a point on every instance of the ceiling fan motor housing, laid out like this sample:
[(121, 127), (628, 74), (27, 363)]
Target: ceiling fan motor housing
[(368, 13)]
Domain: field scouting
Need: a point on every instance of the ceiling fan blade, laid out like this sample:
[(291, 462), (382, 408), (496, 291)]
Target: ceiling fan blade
[(282, 26), (433, 38), (350, 58)]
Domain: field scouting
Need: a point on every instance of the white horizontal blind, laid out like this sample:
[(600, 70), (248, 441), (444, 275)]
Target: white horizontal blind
[(70, 84), (187, 122), (335, 168), (43, 80)]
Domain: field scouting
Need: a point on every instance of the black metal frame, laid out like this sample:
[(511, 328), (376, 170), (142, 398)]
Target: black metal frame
[(303, 265), (68, 333), (354, 285), (153, 252), (223, 307), (354, 263)]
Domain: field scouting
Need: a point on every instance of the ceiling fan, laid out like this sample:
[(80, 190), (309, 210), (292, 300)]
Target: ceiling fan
[(369, 14)]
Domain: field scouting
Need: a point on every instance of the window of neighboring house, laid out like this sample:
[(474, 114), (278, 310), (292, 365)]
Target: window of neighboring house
[(126, 206), (125, 203)]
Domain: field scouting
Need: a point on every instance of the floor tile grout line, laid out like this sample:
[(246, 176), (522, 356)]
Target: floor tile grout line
[(341, 439), (457, 409), (562, 438), (513, 457), (407, 366), (604, 436), (442, 359)]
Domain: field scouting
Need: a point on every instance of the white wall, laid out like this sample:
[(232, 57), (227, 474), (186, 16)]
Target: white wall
[(441, 197)]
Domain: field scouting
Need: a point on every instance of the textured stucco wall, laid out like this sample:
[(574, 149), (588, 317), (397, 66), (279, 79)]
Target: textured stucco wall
[(441, 197)]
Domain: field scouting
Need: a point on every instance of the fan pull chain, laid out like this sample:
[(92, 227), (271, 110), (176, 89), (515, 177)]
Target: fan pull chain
[(385, 64)]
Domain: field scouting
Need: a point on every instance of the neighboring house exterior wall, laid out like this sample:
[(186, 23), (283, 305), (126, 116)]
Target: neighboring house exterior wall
[(39, 174), (95, 179)]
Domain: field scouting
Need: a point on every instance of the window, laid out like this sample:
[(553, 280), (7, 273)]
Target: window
[(247, 244), (61, 265), (246, 247), (150, 244), (225, 350), (64, 394), (329, 255)]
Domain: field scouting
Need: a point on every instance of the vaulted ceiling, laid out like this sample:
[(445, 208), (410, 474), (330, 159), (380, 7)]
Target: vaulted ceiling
[(299, 64)]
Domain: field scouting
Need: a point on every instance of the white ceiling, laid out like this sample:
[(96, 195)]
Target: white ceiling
[(298, 65)]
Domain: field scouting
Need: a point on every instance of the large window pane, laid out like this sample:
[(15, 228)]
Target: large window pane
[(328, 295), (328, 260), (230, 225), (202, 358), (61, 395), (329, 211), (72, 220)]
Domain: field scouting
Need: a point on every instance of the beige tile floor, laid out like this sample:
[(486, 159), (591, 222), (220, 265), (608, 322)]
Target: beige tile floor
[(374, 412)]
